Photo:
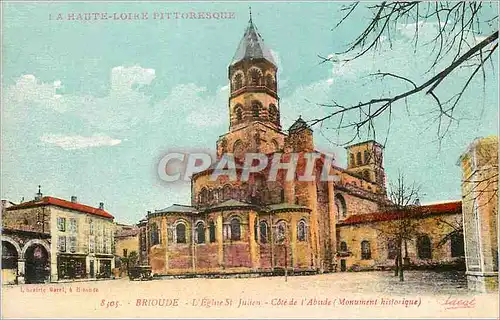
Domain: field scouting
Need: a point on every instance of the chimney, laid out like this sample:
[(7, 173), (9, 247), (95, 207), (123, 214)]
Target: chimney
[(73, 199), (101, 205), (39, 195)]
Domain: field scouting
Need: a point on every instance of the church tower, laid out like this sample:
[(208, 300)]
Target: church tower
[(366, 160), (254, 114)]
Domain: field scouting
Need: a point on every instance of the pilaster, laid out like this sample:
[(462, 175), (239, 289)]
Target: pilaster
[(220, 240), (254, 254)]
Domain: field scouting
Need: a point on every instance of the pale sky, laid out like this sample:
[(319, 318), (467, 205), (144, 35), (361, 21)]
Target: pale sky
[(89, 108)]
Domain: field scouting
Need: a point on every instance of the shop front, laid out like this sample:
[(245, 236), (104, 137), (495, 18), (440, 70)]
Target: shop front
[(71, 266), (105, 266)]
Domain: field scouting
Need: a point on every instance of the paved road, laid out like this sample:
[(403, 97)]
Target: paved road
[(361, 294)]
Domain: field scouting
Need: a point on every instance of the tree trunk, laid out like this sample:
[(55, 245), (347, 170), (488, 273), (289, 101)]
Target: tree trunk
[(396, 264), (400, 258)]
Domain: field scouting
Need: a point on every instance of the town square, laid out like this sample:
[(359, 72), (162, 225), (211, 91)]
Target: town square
[(183, 166), (335, 295)]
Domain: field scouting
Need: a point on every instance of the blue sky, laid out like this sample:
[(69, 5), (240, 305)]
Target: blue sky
[(89, 108)]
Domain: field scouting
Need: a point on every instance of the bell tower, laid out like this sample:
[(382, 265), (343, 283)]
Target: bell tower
[(366, 160), (254, 114)]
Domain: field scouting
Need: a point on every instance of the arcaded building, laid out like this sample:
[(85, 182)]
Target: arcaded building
[(50, 239), (260, 226)]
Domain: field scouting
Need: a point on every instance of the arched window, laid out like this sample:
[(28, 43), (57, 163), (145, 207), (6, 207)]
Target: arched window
[(392, 249), (270, 83), (353, 164), (226, 192), (220, 194), (154, 234), (276, 145), (256, 230), (211, 231), (367, 156), (238, 149), (280, 232), (200, 232), (282, 195), (457, 245), (263, 232), (273, 113), (255, 77), (358, 159), (203, 195), (238, 81), (301, 231), (343, 246), (366, 175), (180, 233), (366, 252), (211, 195), (238, 110), (424, 250), (235, 229), (340, 206), (256, 106)]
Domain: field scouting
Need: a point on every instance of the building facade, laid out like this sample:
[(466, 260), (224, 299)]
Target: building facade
[(127, 247), (480, 212), (369, 241), (261, 225), (54, 239)]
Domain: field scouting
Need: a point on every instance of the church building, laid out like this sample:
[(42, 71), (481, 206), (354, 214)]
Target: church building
[(261, 226)]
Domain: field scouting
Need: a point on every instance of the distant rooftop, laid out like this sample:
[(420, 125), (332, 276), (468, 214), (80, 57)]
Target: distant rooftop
[(46, 201)]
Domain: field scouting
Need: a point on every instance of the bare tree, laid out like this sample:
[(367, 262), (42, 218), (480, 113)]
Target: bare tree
[(467, 37), (404, 206), (455, 226)]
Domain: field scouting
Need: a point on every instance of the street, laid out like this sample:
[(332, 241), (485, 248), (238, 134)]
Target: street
[(361, 294)]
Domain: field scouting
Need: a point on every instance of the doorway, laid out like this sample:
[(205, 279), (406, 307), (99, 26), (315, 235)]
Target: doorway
[(37, 264), (92, 272)]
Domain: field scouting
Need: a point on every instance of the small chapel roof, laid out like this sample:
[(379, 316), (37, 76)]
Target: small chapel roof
[(449, 207), (177, 208), (232, 204), (252, 46)]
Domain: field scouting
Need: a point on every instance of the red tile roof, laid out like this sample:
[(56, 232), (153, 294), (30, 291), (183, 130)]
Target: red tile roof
[(420, 212), (127, 232), (63, 204)]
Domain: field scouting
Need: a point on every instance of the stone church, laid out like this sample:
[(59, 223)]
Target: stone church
[(261, 226)]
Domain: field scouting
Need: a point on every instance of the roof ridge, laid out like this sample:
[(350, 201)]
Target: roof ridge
[(55, 201)]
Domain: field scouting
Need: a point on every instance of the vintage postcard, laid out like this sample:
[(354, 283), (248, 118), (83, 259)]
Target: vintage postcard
[(249, 159)]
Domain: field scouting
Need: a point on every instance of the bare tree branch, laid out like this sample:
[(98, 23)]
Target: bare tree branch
[(457, 24)]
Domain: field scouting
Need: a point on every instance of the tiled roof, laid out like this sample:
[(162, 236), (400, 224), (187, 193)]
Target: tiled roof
[(177, 208), (298, 125), (285, 206), (128, 231), (420, 212), (45, 201), (232, 204), (252, 46)]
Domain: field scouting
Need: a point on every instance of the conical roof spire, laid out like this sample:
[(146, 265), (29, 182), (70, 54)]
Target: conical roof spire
[(299, 125), (252, 45)]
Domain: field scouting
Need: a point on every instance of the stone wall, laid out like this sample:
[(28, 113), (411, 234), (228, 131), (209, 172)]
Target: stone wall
[(378, 234), (27, 219)]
